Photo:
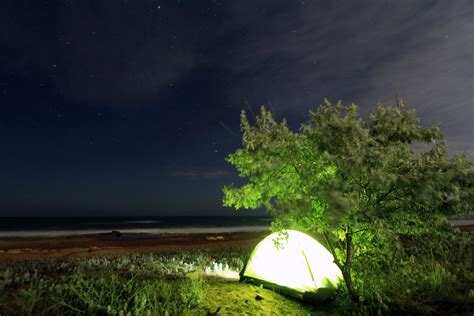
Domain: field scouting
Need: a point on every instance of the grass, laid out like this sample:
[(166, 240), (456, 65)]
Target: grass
[(160, 284), (234, 298), (422, 282), (128, 285)]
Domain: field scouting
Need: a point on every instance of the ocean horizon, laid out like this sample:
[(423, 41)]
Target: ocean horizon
[(11, 227)]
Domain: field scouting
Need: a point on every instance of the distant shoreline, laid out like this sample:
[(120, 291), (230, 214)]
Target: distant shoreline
[(45, 227), (117, 243), (153, 231)]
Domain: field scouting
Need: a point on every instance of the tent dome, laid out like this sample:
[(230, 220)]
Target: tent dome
[(298, 265)]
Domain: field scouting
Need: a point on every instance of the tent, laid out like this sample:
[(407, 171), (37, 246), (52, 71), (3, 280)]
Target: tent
[(298, 266)]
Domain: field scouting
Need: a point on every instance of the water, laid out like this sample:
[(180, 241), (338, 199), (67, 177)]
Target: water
[(73, 226)]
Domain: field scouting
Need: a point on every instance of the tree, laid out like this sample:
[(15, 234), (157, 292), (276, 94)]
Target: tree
[(359, 183)]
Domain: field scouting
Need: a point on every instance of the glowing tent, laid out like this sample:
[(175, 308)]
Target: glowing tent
[(299, 266)]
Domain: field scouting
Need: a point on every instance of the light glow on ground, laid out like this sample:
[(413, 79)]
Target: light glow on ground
[(222, 271)]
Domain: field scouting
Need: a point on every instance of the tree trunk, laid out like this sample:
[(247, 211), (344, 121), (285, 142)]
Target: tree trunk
[(346, 270)]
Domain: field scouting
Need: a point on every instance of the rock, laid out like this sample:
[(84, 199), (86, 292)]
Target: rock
[(258, 297), (116, 233), (215, 238), (216, 313)]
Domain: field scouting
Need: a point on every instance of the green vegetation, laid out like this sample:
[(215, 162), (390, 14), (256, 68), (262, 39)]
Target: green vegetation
[(378, 192), (155, 284), (129, 285), (170, 284)]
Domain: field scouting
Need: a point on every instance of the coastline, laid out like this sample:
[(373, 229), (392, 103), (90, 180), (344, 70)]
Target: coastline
[(117, 244), (124, 243)]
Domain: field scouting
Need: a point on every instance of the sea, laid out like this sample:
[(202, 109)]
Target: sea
[(12, 227)]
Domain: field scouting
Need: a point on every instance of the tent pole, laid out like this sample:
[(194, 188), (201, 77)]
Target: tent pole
[(309, 268)]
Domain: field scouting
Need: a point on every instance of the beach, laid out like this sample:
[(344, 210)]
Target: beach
[(116, 244)]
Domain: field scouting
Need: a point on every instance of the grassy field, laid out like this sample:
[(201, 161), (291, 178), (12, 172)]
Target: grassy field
[(160, 284), (174, 284)]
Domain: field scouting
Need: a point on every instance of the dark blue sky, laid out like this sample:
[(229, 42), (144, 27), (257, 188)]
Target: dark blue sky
[(116, 107)]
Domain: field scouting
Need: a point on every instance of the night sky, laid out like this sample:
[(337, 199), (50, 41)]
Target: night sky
[(117, 107)]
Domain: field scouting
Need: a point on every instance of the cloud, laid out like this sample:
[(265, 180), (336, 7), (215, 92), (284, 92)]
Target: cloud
[(433, 73), (341, 50), (364, 52), (461, 145), (292, 54)]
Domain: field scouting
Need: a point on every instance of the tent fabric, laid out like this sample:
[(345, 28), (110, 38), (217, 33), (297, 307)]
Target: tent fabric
[(299, 264)]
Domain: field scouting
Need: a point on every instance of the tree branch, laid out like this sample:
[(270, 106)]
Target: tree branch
[(384, 196), (332, 250)]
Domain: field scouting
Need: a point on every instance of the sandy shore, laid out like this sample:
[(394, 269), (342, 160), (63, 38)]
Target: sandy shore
[(118, 244), (115, 244)]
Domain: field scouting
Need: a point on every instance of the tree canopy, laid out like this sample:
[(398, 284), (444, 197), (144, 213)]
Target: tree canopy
[(355, 181)]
